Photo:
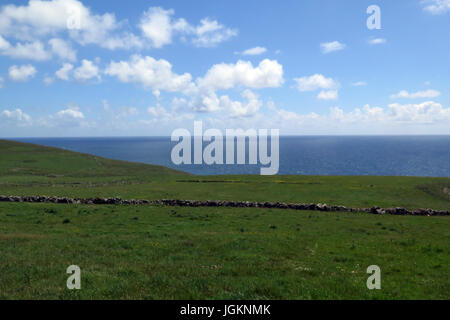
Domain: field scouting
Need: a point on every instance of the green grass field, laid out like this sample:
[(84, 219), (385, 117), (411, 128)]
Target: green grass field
[(145, 252)]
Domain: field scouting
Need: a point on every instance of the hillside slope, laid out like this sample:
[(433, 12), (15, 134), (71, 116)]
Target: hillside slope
[(27, 169)]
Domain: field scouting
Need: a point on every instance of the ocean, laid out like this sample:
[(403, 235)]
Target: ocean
[(300, 155)]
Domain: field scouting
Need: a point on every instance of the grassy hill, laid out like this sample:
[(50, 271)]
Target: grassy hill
[(27, 169), (148, 252)]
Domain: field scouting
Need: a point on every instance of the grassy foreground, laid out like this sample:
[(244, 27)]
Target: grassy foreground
[(213, 253)]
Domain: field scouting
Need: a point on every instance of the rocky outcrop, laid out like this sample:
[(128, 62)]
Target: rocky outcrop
[(229, 204)]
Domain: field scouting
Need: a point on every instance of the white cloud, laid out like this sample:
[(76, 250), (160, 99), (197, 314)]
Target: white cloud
[(328, 47), (210, 102), (48, 80), (426, 112), (161, 115), (86, 71), (205, 102), (414, 95), (63, 73), (156, 25), (377, 41), (17, 117), (254, 51), (359, 84), (22, 73), (124, 41), (367, 114), (159, 27), (31, 50), (156, 93), (62, 49), (66, 118), (158, 111), (210, 33), (315, 82), (40, 19), (70, 114), (328, 95), (436, 6), (157, 75), (2, 82), (423, 113), (36, 50), (151, 73), (268, 74), (178, 104), (395, 118), (4, 44), (239, 109)]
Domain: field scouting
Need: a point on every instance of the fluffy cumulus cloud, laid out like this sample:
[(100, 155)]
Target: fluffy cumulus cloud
[(158, 111), (36, 50), (151, 73), (328, 47), (22, 73), (242, 109), (62, 49), (210, 102), (70, 114), (206, 101), (242, 74), (86, 71), (16, 117), (157, 75), (414, 95), (395, 118), (161, 115), (4, 44), (40, 19), (159, 27), (29, 50), (44, 29), (71, 117), (436, 6), (328, 95), (424, 113), (210, 33), (315, 82), (268, 74), (64, 72)]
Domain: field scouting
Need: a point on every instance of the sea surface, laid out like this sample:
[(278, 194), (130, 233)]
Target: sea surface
[(300, 155)]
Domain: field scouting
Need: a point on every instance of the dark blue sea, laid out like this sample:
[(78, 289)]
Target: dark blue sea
[(301, 155)]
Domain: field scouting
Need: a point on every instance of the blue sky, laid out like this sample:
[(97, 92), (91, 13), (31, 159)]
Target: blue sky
[(108, 68)]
